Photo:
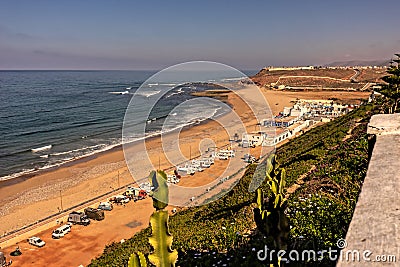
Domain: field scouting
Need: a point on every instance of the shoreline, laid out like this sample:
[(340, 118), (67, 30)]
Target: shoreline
[(86, 158), (40, 190), (21, 175), (104, 166), (83, 159), (34, 197)]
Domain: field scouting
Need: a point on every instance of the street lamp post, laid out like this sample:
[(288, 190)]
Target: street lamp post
[(118, 180), (62, 209)]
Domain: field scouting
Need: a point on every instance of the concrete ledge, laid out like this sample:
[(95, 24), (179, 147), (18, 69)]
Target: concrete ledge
[(384, 124), (375, 227)]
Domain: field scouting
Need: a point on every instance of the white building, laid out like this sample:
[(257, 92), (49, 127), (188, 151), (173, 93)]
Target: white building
[(273, 140), (298, 127), (253, 139), (289, 68)]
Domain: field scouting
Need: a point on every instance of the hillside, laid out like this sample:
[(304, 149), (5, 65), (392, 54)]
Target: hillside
[(357, 63), (325, 170), (345, 79)]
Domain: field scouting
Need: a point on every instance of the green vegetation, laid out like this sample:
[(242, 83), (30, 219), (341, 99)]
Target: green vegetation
[(270, 216), (137, 260), (391, 90), (161, 239), (325, 168)]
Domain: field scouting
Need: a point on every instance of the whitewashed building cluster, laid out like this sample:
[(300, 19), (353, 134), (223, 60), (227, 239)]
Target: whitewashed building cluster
[(294, 120)]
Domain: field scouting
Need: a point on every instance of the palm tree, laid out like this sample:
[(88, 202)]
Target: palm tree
[(391, 90)]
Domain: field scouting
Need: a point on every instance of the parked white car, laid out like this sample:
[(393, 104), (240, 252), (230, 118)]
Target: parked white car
[(147, 187), (61, 231), (120, 199), (195, 163), (36, 241), (205, 163), (222, 156), (188, 169), (227, 152), (105, 206), (198, 169), (172, 179), (182, 169), (191, 170)]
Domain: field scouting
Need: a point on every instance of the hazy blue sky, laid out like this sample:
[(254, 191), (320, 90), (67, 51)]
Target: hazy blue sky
[(126, 34)]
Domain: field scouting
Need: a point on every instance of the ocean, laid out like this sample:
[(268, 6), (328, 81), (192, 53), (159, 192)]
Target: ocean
[(48, 118)]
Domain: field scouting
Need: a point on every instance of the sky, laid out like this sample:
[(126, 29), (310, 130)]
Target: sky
[(152, 35)]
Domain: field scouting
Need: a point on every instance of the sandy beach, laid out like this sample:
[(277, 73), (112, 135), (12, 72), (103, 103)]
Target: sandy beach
[(29, 199)]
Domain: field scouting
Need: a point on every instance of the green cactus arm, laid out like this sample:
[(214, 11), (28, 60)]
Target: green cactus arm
[(274, 187), (158, 180), (277, 201), (270, 165), (283, 204), (282, 181), (137, 260), (260, 199), (133, 260), (280, 202), (161, 241)]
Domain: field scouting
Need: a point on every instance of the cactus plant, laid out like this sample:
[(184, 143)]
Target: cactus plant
[(158, 180), (270, 216), (137, 260), (161, 240)]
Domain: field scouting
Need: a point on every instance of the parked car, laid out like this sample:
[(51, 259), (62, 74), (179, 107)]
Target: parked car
[(146, 187), (205, 163), (119, 199), (195, 163), (105, 206), (222, 156), (36, 241), (228, 152), (76, 217), (188, 169), (135, 193), (94, 214), (172, 178), (61, 231), (198, 169)]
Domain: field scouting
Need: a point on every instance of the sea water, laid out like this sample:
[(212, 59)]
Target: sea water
[(48, 118)]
